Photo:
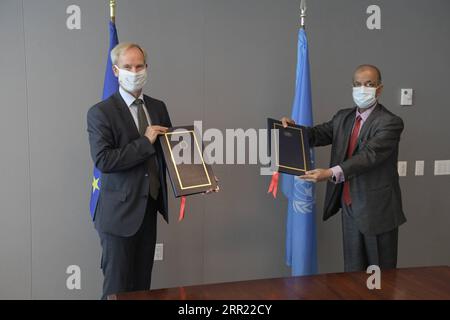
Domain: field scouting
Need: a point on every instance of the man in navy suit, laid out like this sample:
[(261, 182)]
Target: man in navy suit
[(123, 131)]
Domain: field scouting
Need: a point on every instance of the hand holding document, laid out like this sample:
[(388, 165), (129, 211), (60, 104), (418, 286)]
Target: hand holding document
[(290, 146), (188, 171)]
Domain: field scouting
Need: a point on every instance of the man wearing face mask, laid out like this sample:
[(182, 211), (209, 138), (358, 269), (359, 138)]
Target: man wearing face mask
[(363, 179), (123, 131)]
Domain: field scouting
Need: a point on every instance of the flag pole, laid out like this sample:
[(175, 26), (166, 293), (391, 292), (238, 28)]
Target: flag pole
[(112, 10), (302, 14)]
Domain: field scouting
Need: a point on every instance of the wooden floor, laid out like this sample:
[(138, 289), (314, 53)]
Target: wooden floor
[(410, 283)]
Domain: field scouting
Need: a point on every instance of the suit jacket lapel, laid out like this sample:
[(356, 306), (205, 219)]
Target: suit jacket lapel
[(127, 118), (369, 120), (349, 121), (152, 112), (367, 124)]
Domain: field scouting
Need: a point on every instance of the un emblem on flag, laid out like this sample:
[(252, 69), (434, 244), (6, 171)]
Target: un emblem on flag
[(303, 196)]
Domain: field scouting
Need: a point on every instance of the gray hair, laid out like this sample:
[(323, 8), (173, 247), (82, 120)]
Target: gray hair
[(124, 46)]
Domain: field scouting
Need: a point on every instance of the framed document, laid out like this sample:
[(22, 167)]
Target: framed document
[(289, 148), (189, 173)]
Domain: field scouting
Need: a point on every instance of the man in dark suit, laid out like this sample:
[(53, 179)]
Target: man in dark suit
[(123, 131), (363, 179)]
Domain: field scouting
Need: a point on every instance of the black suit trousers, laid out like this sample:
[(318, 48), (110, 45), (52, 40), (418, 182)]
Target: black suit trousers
[(127, 262)]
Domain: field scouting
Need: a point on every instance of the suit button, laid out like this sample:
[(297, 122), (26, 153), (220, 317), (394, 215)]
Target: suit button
[(146, 174)]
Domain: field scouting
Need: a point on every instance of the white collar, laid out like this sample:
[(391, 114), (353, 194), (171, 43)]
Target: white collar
[(129, 98)]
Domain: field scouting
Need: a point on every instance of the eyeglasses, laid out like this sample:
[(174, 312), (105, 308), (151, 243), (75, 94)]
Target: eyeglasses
[(368, 84)]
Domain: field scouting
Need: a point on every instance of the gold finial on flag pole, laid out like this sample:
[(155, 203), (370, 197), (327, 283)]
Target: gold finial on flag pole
[(302, 14), (112, 10)]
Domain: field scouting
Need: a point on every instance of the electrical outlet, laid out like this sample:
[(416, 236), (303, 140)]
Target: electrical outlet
[(159, 252)]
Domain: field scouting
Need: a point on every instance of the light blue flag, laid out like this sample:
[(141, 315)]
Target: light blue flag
[(301, 242), (110, 86)]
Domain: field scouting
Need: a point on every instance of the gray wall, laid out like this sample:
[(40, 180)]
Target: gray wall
[(231, 64)]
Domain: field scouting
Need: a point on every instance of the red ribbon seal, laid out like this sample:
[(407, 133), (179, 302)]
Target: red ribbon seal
[(182, 206), (273, 187)]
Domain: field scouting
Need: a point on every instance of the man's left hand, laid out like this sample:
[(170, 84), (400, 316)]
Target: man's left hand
[(317, 175), (213, 190)]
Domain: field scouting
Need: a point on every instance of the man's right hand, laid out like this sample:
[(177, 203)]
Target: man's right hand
[(152, 132), (287, 121)]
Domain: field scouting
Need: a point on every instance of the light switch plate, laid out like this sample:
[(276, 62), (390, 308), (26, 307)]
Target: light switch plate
[(419, 168), (441, 167), (402, 166), (406, 97)]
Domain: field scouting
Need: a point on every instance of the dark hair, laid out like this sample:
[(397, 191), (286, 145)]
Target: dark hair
[(369, 66)]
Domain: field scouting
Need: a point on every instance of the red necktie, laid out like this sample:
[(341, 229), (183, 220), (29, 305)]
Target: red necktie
[(351, 148)]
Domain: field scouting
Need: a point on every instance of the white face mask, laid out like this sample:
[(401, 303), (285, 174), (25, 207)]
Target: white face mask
[(364, 97), (131, 81)]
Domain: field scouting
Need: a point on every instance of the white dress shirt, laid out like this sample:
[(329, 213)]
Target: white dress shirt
[(129, 99)]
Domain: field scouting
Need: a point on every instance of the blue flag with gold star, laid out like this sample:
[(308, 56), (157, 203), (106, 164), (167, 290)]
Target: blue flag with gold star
[(110, 86)]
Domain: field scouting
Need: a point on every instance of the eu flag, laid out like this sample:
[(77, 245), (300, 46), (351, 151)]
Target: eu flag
[(110, 86), (301, 242)]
